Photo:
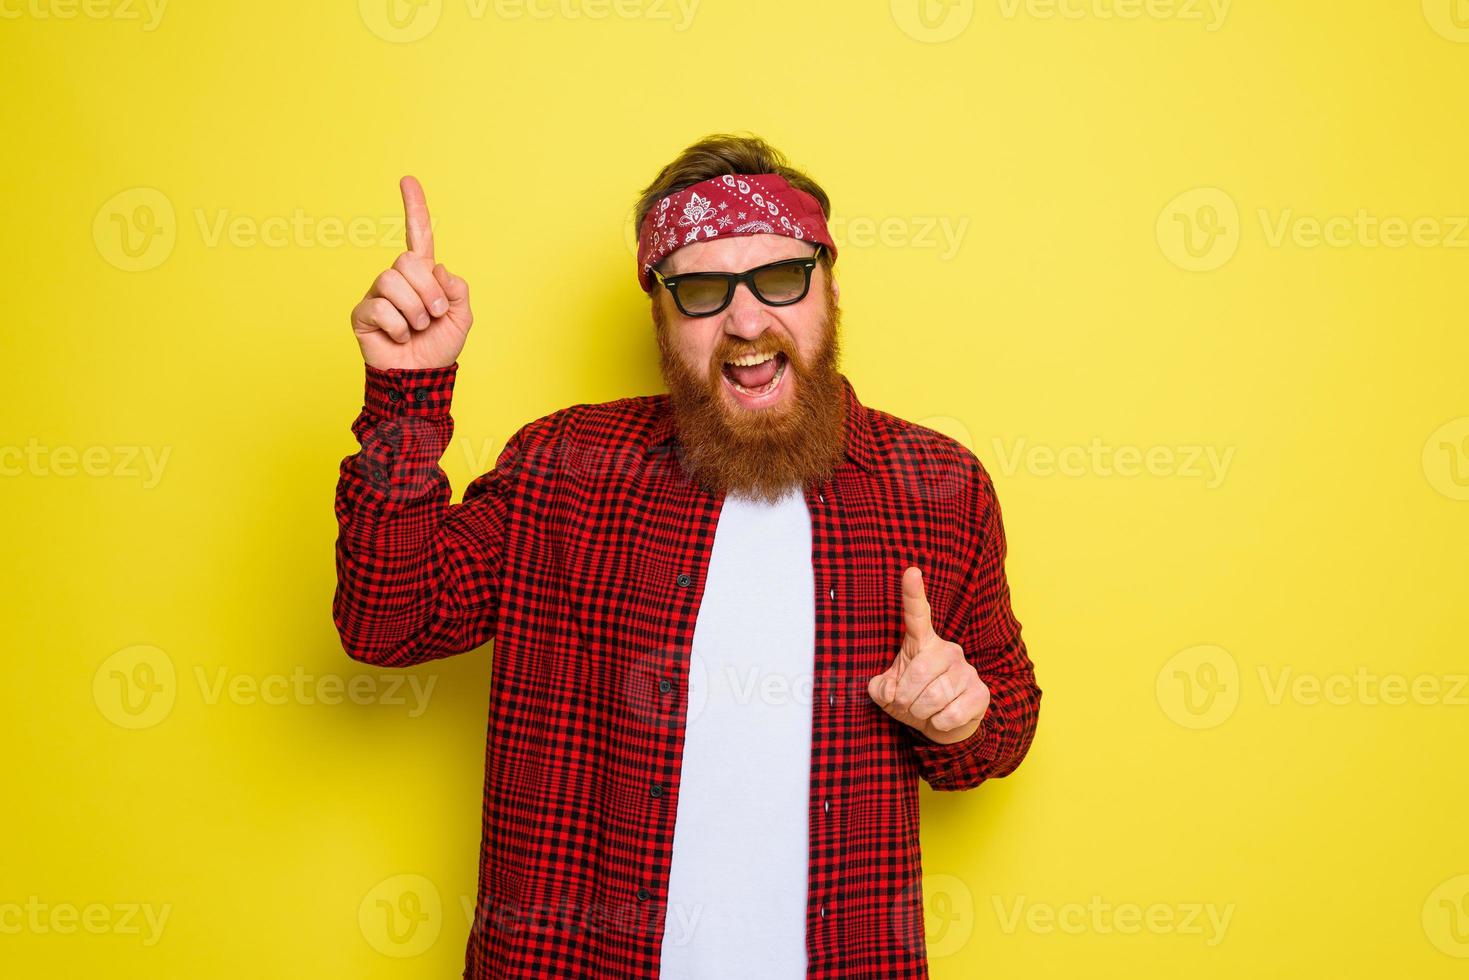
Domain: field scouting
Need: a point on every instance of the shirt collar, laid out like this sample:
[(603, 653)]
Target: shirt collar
[(857, 441)]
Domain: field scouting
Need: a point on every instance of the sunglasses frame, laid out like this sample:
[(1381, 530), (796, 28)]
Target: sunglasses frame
[(733, 279)]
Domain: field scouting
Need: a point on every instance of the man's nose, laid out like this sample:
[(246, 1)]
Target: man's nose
[(747, 317)]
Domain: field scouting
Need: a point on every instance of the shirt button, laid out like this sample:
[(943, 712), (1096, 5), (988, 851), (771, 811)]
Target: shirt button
[(685, 580), (394, 396), (826, 806), (655, 791), (821, 497), (833, 593), (420, 395), (643, 894), (831, 699), (823, 911), (664, 687)]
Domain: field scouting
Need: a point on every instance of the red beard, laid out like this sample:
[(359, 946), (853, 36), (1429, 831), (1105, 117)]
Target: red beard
[(762, 454)]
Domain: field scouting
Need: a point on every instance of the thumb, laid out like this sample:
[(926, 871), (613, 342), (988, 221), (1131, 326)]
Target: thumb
[(455, 288), (917, 617), (883, 687)]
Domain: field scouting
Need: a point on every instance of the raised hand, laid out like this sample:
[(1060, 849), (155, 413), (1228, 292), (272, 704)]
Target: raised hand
[(416, 315), (930, 686)]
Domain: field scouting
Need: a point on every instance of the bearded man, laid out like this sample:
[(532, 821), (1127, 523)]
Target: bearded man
[(734, 624)]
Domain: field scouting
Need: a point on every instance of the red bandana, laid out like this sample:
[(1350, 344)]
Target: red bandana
[(723, 207)]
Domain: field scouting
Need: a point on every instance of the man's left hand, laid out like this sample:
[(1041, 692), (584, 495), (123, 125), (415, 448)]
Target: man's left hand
[(930, 686)]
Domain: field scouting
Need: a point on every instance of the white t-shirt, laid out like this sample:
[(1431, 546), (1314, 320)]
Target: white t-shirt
[(737, 884)]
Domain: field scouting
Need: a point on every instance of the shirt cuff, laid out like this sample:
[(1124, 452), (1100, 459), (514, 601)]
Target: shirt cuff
[(396, 392), (939, 758)]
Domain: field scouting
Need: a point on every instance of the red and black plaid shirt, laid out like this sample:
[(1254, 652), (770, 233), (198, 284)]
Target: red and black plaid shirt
[(582, 555)]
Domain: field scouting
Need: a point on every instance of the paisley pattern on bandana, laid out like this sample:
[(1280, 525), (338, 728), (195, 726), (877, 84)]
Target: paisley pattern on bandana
[(762, 204)]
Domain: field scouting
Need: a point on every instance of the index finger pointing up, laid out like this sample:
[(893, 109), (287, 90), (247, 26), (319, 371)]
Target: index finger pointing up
[(419, 233), (917, 617)]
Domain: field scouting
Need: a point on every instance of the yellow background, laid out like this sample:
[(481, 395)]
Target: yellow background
[(1068, 155)]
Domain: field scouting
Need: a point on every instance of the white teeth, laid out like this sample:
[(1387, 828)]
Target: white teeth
[(749, 359), (764, 389)]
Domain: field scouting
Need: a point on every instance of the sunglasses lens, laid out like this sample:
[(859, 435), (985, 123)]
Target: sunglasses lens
[(698, 295), (782, 283)]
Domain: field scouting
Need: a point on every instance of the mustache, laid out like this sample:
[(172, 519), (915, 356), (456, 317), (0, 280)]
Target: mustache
[(733, 353)]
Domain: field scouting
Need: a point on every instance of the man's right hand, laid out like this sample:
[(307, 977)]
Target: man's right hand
[(416, 315)]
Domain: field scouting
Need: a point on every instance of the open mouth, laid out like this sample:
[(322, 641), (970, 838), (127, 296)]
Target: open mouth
[(755, 375)]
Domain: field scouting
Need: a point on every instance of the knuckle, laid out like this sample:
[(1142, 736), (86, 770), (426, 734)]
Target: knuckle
[(378, 309), (409, 301)]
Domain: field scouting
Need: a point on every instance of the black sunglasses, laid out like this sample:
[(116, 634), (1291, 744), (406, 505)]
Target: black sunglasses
[(776, 284)]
